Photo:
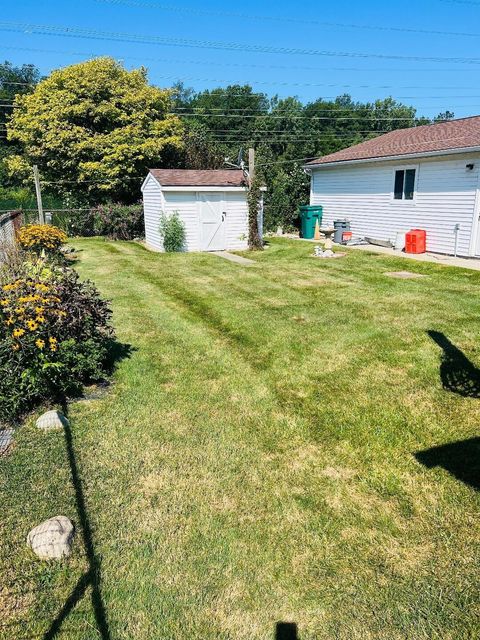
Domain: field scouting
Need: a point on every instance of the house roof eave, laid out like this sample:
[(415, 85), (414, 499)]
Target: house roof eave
[(399, 157)]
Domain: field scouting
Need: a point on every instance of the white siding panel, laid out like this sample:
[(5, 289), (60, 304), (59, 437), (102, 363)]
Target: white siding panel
[(185, 204), (237, 220), (152, 207), (445, 196)]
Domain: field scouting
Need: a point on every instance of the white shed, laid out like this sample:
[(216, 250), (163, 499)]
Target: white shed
[(426, 177), (212, 205)]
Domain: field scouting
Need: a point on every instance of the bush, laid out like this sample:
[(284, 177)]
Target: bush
[(79, 222), (54, 336), (172, 231), (118, 221), (41, 237)]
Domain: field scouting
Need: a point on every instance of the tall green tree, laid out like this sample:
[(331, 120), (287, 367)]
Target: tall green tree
[(13, 81), (93, 128)]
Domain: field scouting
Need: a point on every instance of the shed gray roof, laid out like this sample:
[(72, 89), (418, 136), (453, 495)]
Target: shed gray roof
[(199, 178)]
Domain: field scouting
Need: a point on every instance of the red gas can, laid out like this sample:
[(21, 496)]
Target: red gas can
[(416, 241)]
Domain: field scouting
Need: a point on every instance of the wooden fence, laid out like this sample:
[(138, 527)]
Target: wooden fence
[(9, 225)]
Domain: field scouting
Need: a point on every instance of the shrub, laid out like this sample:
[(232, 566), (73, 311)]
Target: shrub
[(172, 231), (41, 237), (54, 336), (80, 222), (118, 221)]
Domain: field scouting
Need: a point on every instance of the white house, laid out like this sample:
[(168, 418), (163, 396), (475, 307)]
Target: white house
[(426, 177), (212, 205)]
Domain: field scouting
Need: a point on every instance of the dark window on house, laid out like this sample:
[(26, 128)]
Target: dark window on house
[(404, 187)]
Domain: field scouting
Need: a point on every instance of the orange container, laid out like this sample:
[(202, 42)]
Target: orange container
[(416, 241), (346, 236)]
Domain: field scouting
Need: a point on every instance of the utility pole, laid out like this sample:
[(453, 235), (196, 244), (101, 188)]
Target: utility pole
[(251, 166), (41, 217)]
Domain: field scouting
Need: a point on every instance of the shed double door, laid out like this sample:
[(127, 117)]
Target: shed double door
[(213, 216)]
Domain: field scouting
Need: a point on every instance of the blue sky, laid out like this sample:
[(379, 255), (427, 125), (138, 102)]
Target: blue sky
[(431, 86)]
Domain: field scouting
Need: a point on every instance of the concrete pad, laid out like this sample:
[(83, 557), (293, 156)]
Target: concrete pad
[(438, 258), (233, 258)]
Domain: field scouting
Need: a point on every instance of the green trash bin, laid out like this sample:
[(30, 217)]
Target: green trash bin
[(309, 214)]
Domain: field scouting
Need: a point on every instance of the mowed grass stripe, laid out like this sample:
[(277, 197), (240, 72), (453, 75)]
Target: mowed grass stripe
[(254, 460)]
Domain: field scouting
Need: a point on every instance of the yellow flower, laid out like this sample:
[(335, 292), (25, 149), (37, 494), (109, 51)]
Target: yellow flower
[(53, 344), (40, 319), (32, 325), (40, 343), (4, 302), (62, 314), (39, 310), (20, 311), (18, 333), (8, 287), (15, 347), (10, 320)]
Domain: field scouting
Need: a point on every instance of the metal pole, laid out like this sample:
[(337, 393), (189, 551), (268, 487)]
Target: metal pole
[(41, 217)]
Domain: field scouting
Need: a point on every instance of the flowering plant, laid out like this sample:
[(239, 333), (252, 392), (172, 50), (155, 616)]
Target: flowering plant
[(38, 237), (54, 335)]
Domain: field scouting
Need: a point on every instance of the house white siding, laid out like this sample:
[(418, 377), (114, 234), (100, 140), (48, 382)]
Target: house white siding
[(187, 203), (446, 195)]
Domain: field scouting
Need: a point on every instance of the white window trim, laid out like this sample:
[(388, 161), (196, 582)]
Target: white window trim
[(404, 167)]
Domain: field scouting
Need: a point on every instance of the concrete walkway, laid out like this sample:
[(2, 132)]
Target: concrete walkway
[(438, 258), (233, 258)]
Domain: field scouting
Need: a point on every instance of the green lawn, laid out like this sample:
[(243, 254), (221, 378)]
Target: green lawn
[(255, 460)]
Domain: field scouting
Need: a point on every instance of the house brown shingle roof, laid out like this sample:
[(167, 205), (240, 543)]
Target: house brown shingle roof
[(196, 178), (443, 136)]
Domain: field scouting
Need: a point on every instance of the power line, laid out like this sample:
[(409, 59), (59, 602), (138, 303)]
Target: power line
[(289, 19), (93, 34), (217, 63)]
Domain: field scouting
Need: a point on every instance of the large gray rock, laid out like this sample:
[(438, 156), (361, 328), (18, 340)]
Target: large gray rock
[(51, 421), (52, 539)]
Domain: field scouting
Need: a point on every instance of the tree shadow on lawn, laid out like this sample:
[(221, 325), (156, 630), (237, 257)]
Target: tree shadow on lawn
[(92, 577), (458, 374), (461, 459)]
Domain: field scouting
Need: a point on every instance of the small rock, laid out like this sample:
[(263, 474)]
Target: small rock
[(52, 420), (52, 539)]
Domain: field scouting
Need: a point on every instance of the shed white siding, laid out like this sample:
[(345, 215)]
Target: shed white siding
[(446, 194), (237, 220), (187, 203), (152, 206)]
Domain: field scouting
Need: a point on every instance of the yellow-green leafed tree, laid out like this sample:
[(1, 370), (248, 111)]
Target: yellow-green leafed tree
[(92, 128)]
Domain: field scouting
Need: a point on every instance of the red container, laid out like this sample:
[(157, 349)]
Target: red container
[(416, 241), (346, 236)]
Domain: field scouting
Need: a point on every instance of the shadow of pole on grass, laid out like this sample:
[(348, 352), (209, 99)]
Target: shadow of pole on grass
[(458, 374), (92, 578)]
